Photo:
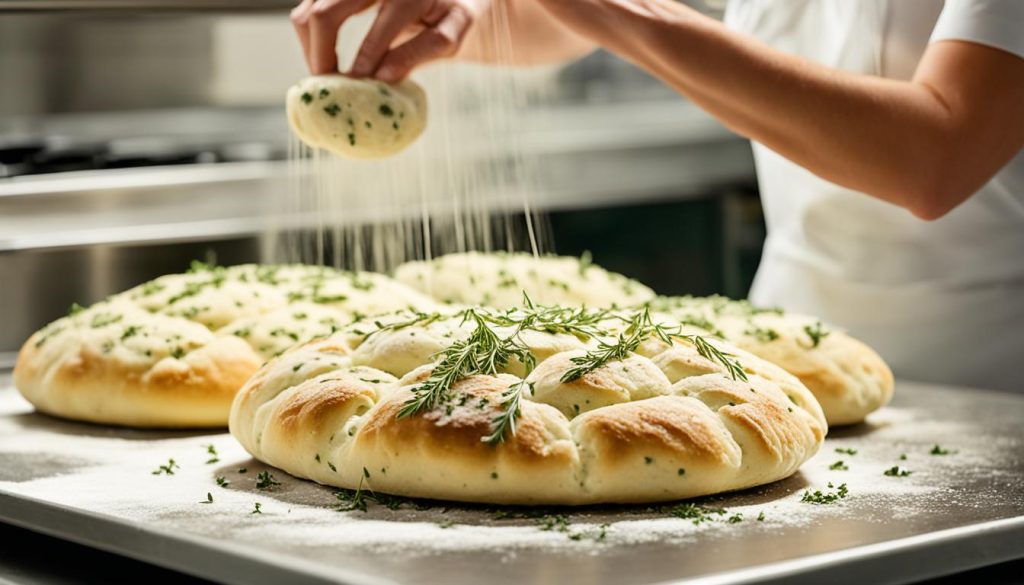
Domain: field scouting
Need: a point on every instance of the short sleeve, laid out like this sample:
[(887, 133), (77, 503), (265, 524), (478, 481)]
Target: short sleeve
[(994, 23)]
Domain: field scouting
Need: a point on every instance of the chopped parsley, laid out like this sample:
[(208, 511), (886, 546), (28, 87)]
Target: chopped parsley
[(846, 451), (307, 98), (818, 497), (816, 333), (265, 480), (839, 466), (897, 471), (762, 334), (385, 110), (690, 511), (257, 508), (104, 319), (208, 500), (222, 481), (937, 450), (167, 469), (212, 452), (332, 110)]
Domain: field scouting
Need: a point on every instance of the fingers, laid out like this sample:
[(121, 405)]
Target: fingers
[(390, 22), (324, 19), (300, 21), (435, 42)]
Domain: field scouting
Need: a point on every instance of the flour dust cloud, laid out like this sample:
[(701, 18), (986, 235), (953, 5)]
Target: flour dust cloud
[(466, 184)]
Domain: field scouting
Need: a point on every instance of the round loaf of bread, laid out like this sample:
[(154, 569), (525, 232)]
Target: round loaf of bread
[(172, 352), (500, 279), (849, 379), (597, 423), (116, 363), (357, 118)]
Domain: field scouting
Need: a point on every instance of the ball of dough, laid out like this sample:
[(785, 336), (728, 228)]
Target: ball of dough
[(357, 118)]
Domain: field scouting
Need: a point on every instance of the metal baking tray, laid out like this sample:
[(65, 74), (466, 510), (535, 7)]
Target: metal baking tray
[(955, 511)]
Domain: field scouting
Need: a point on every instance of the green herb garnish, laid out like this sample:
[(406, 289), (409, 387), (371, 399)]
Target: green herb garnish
[(762, 334), (265, 480), (641, 327), (167, 469), (691, 511), (816, 332), (818, 497)]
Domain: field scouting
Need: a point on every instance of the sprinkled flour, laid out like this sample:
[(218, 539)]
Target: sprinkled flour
[(111, 471)]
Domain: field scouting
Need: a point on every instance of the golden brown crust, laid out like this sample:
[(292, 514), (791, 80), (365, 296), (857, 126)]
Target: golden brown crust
[(848, 378), (640, 439), (167, 373), (173, 352)]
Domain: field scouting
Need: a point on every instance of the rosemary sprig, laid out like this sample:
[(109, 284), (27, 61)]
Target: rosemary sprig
[(605, 352), (505, 422), (579, 321), (484, 352), (418, 319), (640, 328)]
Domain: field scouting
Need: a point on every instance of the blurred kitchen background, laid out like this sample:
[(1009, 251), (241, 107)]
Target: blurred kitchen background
[(136, 135)]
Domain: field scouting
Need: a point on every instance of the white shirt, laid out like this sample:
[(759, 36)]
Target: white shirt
[(942, 301)]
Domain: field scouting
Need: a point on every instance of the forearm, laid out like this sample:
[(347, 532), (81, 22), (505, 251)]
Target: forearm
[(521, 32), (893, 140)]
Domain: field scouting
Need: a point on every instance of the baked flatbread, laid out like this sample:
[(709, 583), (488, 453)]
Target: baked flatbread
[(499, 280), (848, 378), (629, 429), (172, 352)]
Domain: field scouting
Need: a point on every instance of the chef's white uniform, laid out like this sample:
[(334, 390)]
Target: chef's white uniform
[(942, 301)]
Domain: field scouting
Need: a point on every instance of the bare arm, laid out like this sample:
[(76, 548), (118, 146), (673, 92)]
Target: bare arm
[(409, 33), (521, 32), (926, 144)]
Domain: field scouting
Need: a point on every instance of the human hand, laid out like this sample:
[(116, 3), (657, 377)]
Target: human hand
[(427, 30)]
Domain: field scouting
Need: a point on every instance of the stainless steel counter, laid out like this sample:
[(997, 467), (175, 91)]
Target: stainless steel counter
[(954, 511)]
